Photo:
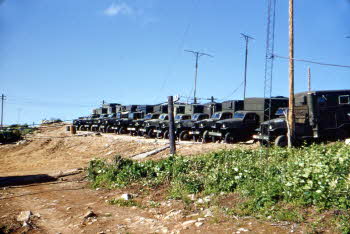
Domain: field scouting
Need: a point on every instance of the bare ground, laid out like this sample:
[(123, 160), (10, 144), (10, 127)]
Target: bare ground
[(59, 207)]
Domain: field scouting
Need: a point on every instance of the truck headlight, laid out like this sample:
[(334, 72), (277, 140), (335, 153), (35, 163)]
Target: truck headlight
[(270, 127), (223, 126), (201, 125)]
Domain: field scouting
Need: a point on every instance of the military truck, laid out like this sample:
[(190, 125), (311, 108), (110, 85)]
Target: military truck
[(105, 125), (85, 124), (111, 120), (136, 126), (162, 130), (201, 129), (149, 126), (244, 123), (319, 116), (127, 117), (96, 123), (78, 122), (183, 128)]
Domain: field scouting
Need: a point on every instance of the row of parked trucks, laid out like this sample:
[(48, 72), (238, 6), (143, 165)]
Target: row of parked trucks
[(320, 115)]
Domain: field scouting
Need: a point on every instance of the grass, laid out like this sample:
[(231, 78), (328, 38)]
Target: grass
[(278, 183)]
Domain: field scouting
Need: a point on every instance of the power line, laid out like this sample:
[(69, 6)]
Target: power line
[(180, 47), (314, 62), (197, 55)]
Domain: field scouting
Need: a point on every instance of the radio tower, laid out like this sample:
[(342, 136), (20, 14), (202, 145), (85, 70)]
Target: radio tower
[(269, 59)]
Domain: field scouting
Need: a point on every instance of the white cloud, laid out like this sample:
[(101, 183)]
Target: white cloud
[(118, 9)]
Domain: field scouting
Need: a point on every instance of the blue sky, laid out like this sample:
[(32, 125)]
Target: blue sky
[(62, 58)]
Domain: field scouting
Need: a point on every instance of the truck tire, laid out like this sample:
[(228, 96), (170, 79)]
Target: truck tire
[(116, 131), (150, 133), (205, 138), (81, 128), (107, 129), (184, 136), (263, 143), (229, 138), (281, 141), (166, 134), (121, 131), (195, 138)]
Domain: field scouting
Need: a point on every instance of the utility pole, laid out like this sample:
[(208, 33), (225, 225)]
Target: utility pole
[(246, 38), (197, 54), (309, 79), (171, 125), (291, 114), (2, 110)]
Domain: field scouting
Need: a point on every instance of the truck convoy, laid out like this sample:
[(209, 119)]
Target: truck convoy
[(320, 115)]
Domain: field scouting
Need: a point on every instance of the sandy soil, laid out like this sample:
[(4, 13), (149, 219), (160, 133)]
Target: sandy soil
[(53, 148)]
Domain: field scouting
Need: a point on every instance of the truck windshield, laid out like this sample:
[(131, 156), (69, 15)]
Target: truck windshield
[(281, 111), (163, 117), (216, 116), (238, 115), (111, 116), (178, 117), (195, 117), (148, 116)]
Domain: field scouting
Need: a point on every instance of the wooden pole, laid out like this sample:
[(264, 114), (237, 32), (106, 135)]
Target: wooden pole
[(309, 79), (291, 114), (171, 125)]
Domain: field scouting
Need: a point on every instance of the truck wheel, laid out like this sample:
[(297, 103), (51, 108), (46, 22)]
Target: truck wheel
[(107, 129), (150, 133), (166, 134), (195, 138), (116, 131), (229, 138), (281, 141), (213, 139), (205, 138), (121, 131), (184, 136), (159, 135), (139, 133), (263, 143)]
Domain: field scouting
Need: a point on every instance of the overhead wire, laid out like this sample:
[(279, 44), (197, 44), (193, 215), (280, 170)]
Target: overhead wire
[(311, 61), (179, 50)]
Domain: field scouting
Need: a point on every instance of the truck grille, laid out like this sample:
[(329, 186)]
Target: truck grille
[(264, 129)]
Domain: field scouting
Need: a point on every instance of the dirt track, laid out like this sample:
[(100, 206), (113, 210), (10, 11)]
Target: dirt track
[(53, 149), (61, 205)]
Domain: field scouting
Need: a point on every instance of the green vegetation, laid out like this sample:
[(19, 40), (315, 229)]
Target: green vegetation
[(275, 182), (15, 133)]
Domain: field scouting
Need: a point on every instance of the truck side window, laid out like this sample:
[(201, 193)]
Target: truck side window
[(344, 99)]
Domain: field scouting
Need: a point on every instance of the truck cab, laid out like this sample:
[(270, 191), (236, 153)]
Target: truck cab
[(183, 128), (150, 125), (163, 128), (240, 127), (319, 115), (200, 129), (136, 125)]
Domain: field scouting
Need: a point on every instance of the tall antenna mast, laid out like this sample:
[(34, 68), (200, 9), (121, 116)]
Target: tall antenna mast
[(269, 57), (197, 54), (246, 38)]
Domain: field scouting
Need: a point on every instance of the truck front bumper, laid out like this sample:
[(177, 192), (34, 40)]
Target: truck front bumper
[(216, 134), (131, 129), (261, 137), (194, 132)]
